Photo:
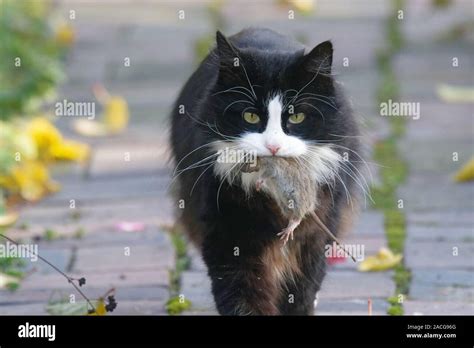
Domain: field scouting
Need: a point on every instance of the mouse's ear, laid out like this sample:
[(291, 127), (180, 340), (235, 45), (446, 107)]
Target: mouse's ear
[(319, 59)]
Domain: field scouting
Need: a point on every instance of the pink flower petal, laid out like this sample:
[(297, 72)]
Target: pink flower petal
[(130, 226)]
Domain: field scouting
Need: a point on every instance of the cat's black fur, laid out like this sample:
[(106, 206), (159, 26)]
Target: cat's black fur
[(237, 237)]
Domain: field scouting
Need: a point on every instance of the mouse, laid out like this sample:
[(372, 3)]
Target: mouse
[(292, 188)]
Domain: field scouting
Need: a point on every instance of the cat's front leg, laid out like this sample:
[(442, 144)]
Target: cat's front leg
[(241, 283), (243, 292)]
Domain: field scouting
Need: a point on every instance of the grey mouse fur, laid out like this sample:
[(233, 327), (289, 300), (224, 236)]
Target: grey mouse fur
[(291, 187)]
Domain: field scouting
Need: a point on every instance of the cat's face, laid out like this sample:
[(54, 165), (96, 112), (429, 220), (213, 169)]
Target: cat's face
[(276, 104)]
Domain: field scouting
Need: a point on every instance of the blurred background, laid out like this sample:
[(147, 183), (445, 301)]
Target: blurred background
[(86, 88)]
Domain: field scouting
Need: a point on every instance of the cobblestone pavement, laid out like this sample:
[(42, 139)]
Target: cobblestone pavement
[(112, 190)]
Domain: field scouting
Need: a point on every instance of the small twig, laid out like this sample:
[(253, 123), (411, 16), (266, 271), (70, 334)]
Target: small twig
[(69, 279), (325, 229)]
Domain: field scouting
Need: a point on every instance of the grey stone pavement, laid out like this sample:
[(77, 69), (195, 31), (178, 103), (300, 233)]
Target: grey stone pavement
[(439, 248), (112, 190)]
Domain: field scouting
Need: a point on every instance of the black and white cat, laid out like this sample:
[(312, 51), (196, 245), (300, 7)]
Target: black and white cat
[(259, 93)]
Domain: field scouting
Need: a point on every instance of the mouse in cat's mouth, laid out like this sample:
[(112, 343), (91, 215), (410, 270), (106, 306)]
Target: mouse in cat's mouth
[(290, 185)]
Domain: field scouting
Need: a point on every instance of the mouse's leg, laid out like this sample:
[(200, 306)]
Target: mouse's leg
[(287, 232)]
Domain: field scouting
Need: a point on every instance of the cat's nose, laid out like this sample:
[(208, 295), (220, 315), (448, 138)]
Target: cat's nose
[(273, 148)]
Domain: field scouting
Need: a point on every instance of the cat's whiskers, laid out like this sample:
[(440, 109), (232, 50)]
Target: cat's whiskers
[(201, 163), (318, 99), (314, 107), (303, 160), (359, 179), (312, 80), (207, 125), (334, 173), (205, 170), (369, 172), (237, 101), (199, 177), (235, 90)]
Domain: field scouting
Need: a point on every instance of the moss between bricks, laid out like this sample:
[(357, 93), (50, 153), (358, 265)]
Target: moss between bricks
[(177, 304), (394, 170)]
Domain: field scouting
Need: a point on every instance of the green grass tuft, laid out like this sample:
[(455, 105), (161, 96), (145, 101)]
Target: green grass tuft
[(176, 305)]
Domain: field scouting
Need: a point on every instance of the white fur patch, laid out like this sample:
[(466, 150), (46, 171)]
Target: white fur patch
[(273, 135)]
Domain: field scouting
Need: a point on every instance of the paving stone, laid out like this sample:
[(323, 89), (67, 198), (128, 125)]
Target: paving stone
[(437, 308), (110, 159), (197, 263), (410, 65), (431, 157), (439, 255), (370, 224), (441, 234), (196, 287), (122, 292), (60, 258), (434, 21), (350, 284), (436, 192), (24, 309), (140, 307), (433, 117), (350, 307), (447, 219), (111, 189), (108, 259), (110, 235), (97, 278), (95, 215), (447, 285)]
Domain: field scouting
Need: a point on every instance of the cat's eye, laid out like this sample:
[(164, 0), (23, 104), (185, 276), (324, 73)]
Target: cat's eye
[(251, 117), (297, 118)]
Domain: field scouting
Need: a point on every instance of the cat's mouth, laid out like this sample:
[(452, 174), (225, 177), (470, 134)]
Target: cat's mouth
[(237, 165)]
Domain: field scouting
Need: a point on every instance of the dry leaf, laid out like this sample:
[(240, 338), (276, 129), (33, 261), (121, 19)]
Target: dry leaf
[(466, 173), (383, 260), (8, 219), (455, 94)]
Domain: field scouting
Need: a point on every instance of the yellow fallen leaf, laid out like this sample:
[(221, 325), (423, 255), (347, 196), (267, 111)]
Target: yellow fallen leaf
[(8, 219), (466, 173), (116, 114), (65, 34), (44, 134), (114, 119), (69, 150), (90, 128), (100, 308), (30, 180), (303, 6), (383, 260)]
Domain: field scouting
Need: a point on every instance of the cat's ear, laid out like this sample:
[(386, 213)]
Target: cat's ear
[(319, 59), (225, 50), (229, 61)]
